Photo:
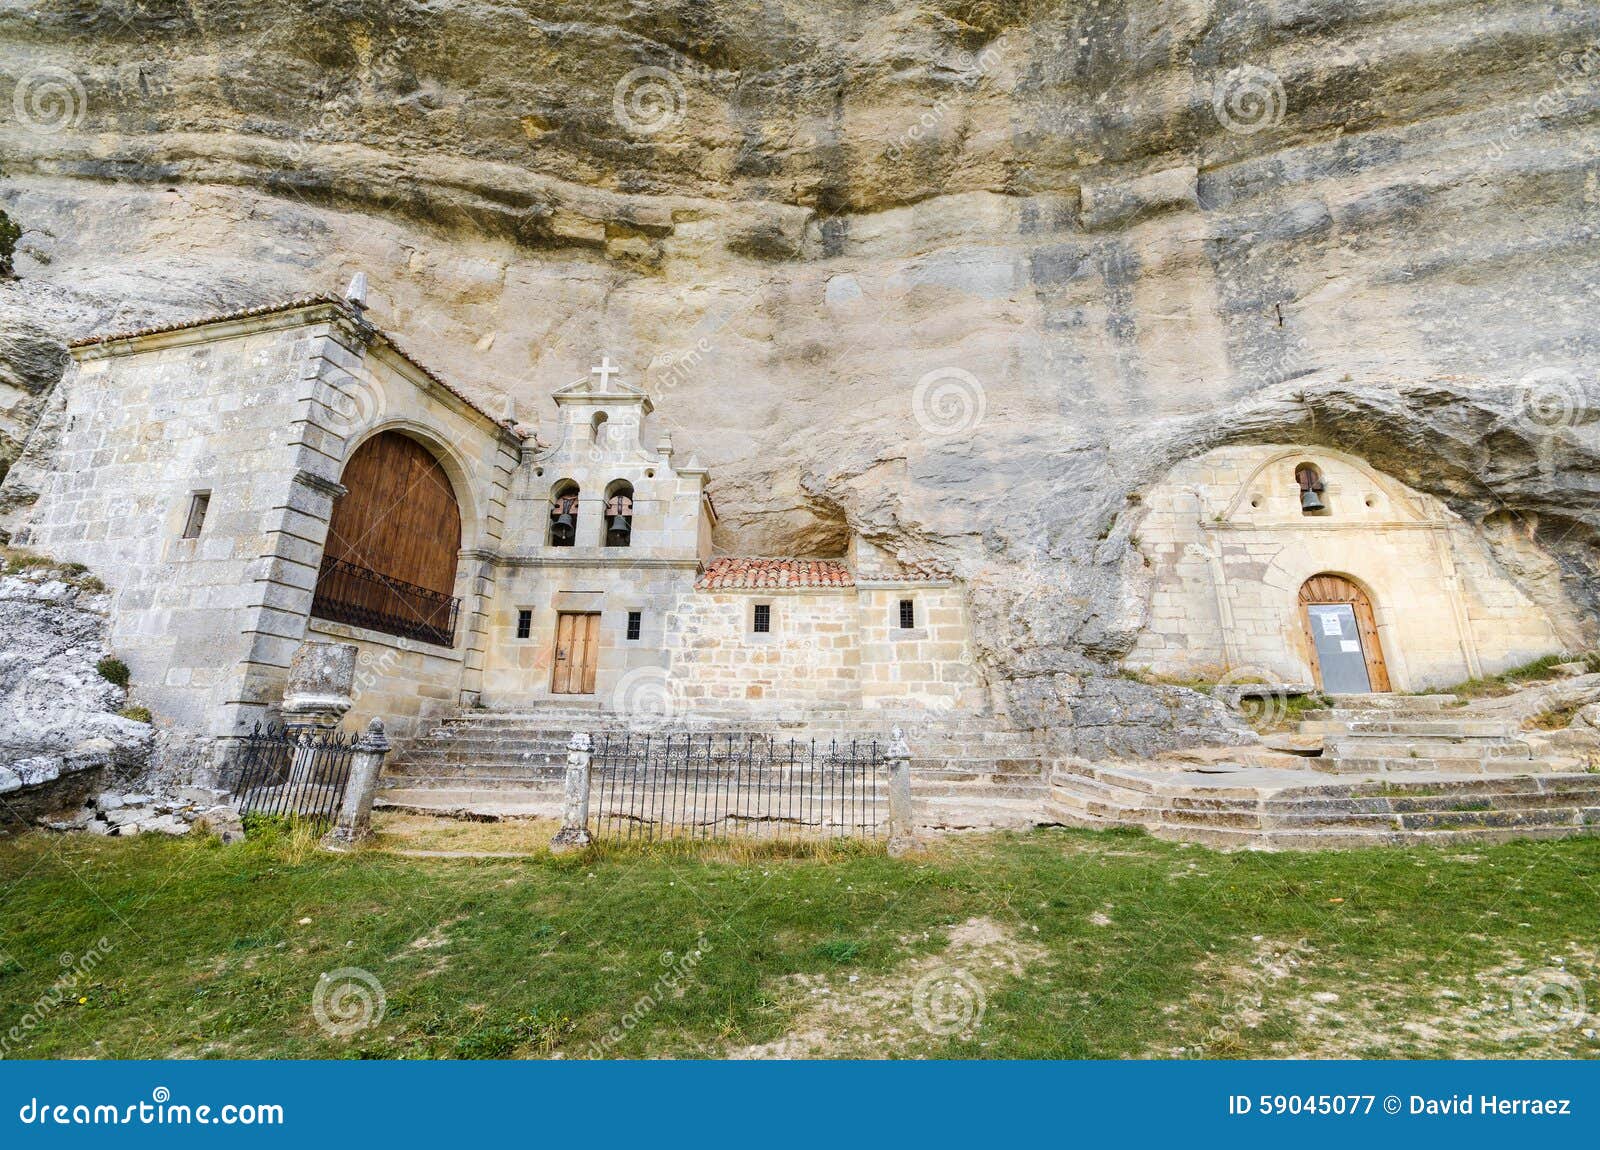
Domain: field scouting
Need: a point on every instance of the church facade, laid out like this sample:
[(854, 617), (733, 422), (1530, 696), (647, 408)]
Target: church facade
[(1303, 565), (253, 481)]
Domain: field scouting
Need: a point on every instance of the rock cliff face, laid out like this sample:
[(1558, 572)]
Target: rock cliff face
[(960, 275), (59, 730)]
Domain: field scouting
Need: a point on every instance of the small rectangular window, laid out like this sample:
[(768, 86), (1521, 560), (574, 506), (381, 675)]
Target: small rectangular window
[(762, 624), (908, 614), (635, 623), (198, 503), (524, 624)]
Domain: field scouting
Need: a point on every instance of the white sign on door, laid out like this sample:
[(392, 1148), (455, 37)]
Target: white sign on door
[(1350, 646), (1331, 625)]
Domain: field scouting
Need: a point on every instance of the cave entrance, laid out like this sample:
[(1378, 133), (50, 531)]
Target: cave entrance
[(1343, 635)]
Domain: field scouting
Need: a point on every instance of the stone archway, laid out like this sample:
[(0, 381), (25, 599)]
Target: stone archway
[(389, 563), (1342, 634)]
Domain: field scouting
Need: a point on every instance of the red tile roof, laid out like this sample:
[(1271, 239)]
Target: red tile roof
[(733, 574)]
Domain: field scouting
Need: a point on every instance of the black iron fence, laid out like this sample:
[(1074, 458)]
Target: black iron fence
[(349, 593), (706, 786), (293, 771)]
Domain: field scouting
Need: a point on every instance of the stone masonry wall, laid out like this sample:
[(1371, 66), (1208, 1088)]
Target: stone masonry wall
[(260, 413), (811, 659), (1228, 548), (143, 434), (928, 665), (409, 685)]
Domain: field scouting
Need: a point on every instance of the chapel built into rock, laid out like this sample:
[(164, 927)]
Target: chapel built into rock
[(256, 480)]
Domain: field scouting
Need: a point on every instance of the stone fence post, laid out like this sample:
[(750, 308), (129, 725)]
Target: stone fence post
[(355, 816), (902, 819), (574, 832)]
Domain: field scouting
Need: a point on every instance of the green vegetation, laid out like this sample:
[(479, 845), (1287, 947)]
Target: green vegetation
[(1080, 944), (1274, 712), (1539, 670), (137, 713), (1554, 719), (15, 560), (113, 670), (10, 233)]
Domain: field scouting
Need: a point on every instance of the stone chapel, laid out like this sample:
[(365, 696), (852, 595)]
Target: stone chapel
[(255, 480), (251, 481)]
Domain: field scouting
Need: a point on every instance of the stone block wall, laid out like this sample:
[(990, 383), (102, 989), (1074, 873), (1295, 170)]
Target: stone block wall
[(926, 666), (518, 671), (1228, 548), (144, 433), (409, 685), (810, 660), (259, 412)]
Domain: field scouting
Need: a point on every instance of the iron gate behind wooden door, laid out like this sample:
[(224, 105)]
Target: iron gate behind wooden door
[(705, 786)]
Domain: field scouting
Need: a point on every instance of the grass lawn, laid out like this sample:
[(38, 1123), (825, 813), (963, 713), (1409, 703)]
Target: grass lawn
[(1048, 944)]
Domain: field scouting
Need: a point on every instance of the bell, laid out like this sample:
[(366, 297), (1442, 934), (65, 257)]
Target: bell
[(566, 521), (1310, 500), (620, 525)]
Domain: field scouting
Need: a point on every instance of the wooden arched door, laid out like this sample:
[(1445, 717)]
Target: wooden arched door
[(1343, 635), (390, 560)]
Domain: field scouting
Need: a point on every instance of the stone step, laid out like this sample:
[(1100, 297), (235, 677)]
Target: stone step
[(1460, 816), (1463, 765), (1413, 728), (470, 803), (1337, 839), (1394, 702), (1443, 828), (1321, 816), (1391, 748), (979, 814), (701, 725)]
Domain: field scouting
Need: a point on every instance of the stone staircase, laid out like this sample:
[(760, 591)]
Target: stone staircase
[(1373, 770), (1273, 810), (966, 772), (1382, 734)]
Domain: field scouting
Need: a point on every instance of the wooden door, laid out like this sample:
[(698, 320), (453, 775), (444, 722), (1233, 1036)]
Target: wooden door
[(1336, 590), (398, 515), (577, 653)]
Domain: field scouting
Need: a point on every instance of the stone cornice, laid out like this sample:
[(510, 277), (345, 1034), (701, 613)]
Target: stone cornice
[(320, 484)]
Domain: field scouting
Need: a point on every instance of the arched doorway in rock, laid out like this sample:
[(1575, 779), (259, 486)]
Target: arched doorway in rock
[(1343, 634), (390, 560)]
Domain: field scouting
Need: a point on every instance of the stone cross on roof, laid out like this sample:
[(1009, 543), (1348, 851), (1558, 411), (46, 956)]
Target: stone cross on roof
[(605, 371)]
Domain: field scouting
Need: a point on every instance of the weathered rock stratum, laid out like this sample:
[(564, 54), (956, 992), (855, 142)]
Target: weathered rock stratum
[(962, 276)]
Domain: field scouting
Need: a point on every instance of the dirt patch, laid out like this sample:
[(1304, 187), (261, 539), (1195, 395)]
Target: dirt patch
[(907, 1012), (440, 835), (1288, 1000)]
